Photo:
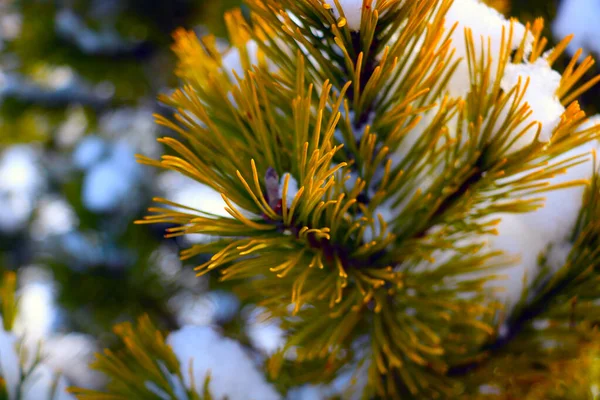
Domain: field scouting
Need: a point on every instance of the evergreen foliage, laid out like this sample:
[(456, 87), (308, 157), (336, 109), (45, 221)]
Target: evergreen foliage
[(24, 374), (379, 257), (374, 163), (145, 368)]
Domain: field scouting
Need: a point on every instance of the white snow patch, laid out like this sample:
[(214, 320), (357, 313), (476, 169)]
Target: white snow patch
[(264, 333), (292, 189), (485, 23), (9, 363), (37, 314), (40, 384), (352, 10), (71, 355), (540, 95), (233, 374)]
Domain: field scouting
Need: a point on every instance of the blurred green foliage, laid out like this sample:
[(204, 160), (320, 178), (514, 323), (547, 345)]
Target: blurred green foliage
[(97, 296), (135, 75)]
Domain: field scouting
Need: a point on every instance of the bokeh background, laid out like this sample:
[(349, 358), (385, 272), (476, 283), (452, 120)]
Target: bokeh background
[(78, 87)]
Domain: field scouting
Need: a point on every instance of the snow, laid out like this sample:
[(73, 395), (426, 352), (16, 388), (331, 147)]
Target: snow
[(558, 254), (204, 308), (233, 374), (37, 314), (352, 10), (557, 219), (349, 384), (388, 215), (38, 385), (526, 236), (232, 60), (414, 135), (9, 363), (71, 355), (484, 22), (35, 328), (292, 189), (36, 324), (225, 305), (546, 230), (307, 392), (578, 17), (540, 96), (516, 239), (265, 334), (186, 191)]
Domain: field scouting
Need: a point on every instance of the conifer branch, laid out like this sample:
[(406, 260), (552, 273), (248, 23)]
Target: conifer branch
[(364, 120)]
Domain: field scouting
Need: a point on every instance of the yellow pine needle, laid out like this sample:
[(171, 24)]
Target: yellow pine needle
[(237, 215), (287, 266), (8, 299), (316, 247)]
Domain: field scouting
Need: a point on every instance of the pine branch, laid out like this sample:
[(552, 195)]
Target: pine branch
[(442, 166), (144, 368), (551, 290)]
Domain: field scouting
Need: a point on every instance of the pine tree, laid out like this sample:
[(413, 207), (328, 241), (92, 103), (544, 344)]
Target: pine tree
[(381, 163)]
